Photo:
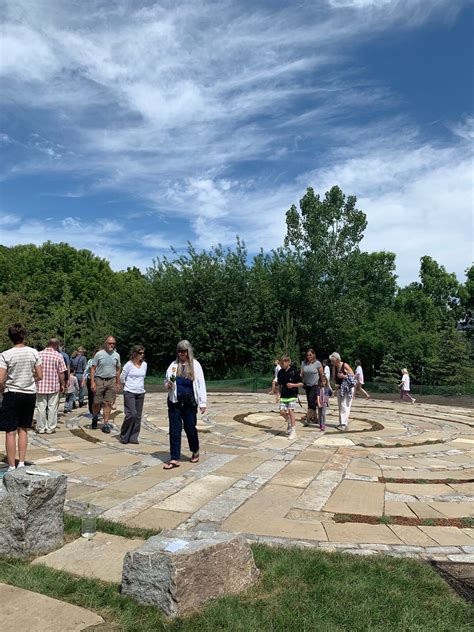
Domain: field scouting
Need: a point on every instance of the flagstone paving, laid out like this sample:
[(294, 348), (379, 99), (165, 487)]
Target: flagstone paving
[(252, 480), (25, 610)]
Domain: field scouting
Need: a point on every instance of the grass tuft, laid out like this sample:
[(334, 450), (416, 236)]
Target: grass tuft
[(72, 526)]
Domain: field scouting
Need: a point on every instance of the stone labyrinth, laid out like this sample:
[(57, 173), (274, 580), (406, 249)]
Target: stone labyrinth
[(403, 475)]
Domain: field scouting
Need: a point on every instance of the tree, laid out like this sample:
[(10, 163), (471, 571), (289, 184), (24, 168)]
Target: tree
[(286, 342), (389, 371), (455, 351)]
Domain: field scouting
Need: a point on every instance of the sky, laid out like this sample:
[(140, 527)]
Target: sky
[(131, 126)]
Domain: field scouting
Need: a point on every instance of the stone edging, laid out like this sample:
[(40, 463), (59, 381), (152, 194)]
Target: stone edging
[(426, 553)]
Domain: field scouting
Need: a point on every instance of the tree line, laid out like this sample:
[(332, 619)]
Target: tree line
[(318, 289)]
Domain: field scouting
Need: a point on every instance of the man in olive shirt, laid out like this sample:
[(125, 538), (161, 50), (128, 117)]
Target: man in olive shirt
[(105, 381)]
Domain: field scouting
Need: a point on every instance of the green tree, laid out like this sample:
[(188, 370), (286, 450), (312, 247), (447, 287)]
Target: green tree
[(390, 369), (455, 351), (286, 341)]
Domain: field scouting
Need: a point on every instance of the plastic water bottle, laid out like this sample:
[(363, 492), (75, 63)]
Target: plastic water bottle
[(88, 523)]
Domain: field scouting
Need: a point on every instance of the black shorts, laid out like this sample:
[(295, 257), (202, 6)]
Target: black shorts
[(17, 411)]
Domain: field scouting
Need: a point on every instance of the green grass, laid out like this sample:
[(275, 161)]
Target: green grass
[(298, 590), (72, 526)]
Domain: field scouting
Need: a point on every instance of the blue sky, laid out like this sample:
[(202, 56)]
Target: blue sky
[(131, 126)]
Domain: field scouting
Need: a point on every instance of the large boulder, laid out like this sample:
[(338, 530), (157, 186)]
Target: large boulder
[(178, 574), (31, 511)]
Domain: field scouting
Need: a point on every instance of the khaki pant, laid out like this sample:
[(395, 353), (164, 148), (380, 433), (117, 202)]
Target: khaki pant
[(47, 412)]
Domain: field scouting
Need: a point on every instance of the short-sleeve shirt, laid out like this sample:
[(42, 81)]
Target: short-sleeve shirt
[(311, 372), (53, 364), (20, 363), (106, 364), (359, 373), (405, 382)]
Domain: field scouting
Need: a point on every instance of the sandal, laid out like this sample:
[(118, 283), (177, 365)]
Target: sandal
[(169, 465), (194, 458)]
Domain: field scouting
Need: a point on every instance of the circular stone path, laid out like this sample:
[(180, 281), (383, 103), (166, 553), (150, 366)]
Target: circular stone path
[(252, 480)]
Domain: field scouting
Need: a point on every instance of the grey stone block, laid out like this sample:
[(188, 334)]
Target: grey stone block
[(179, 574), (31, 512)]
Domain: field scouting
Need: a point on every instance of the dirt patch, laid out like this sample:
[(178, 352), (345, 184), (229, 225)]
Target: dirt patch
[(459, 576)]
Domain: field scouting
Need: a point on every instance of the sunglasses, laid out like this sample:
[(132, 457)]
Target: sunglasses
[(141, 353)]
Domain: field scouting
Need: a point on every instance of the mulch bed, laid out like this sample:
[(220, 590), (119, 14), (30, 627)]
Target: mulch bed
[(426, 481), (460, 523)]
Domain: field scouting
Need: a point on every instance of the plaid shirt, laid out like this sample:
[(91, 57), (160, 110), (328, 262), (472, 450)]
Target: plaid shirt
[(53, 364)]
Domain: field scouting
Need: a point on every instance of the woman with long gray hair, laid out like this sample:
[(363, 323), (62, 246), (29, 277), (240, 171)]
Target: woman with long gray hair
[(345, 383), (186, 392)]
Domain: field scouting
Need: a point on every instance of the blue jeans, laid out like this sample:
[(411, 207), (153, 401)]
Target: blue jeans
[(81, 389), (182, 415), (322, 416), (69, 403)]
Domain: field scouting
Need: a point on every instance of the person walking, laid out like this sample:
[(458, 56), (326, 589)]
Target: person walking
[(86, 381), (327, 370), (324, 393), (359, 376), (186, 392), (404, 387), (78, 363), (20, 369), (72, 391), (311, 372), (50, 387), (289, 382), (105, 381), (66, 359), (345, 383), (275, 390), (133, 380)]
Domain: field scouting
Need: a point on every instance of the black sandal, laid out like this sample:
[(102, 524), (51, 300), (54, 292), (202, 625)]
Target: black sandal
[(169, 465), (194, 458)]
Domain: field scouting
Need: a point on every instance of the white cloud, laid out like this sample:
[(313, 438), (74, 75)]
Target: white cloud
[(165, 102)]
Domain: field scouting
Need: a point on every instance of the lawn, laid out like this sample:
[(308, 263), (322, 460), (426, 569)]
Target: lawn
[(298, 590)]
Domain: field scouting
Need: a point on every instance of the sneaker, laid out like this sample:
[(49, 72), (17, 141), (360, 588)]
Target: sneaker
[(94, 423), (292, 434), (288, 429), (414, 400), (106, 428), (340, 427), (11, 468), (322, 428)]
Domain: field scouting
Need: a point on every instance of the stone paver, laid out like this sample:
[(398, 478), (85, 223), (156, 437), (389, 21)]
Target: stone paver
[(196, 494), (357, 497), (361, 533), (264, 514), (101, 557), (412, 535), (25, 610), (448, 536)]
